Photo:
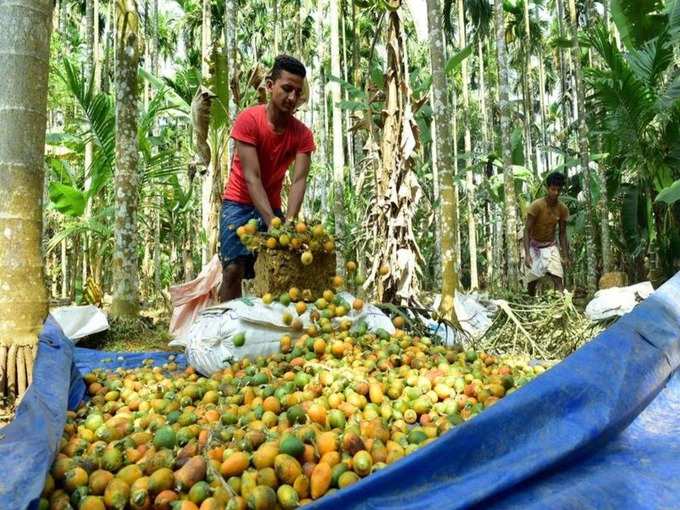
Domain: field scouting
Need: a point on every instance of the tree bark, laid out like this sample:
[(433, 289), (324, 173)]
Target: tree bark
[(584, 151), (544, 116), (338, 150), (277, 30), (564, 89), (64, 270), (469, 178), (320, 105), (449, 204), (348, 78), (486, 150), (207, 180), (126, 182), (527, 96), (25, 27), (512, 248)]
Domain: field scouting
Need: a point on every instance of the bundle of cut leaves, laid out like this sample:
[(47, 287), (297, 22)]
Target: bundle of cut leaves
[(549, 327)]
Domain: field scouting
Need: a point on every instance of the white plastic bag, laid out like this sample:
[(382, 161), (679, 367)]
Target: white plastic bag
[(209, 341), (80, 321), (475, 315), (617, 301)]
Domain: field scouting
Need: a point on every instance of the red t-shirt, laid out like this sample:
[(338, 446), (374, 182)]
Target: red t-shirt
[(274, 151)]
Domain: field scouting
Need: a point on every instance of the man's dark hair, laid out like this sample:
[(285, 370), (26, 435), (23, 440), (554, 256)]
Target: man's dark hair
[(556, 179), (287, 63)]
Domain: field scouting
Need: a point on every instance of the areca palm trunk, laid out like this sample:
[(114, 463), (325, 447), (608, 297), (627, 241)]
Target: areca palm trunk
[(126, 183), (512, 248), (230, 23), (338, 151), (544, 122), (277, 31), (91, 69), (488, 245), (563, 82), (528, 102), (469, 179), (25, 27), (584, 150), (448, 203), (209, 184)]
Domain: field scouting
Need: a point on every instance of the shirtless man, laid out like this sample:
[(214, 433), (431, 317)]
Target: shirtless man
[(542, 255)]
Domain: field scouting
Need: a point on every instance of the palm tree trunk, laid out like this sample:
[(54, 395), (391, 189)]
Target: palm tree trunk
[(338, 151), (512, 248), (584, 150), (527, 96), (458, 255), (92, 71), (544, 116), (207, 181), (64, 270), (187, 256), (125, 259), (346, 76), (563, 83), (436, 196), (109, 44), (155, 70), (481, 91), (448, 204), (230, 23), (320, 103), (469, 180), (277, 31), (63, 16), (25, 27)]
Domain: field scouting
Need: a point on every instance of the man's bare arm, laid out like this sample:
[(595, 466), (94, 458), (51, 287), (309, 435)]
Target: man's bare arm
[(299, 184), (251, 171), (528, 231)]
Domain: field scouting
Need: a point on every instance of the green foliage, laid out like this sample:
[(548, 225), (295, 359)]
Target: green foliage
[(669, 195)]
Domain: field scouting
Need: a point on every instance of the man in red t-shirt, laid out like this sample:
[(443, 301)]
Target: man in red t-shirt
[(268, 138)]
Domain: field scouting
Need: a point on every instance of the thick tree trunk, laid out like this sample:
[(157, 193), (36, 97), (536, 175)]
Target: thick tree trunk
[(511, 246), (584, 151), (338, 151), (126, 183), (25, 27), (449, 204)]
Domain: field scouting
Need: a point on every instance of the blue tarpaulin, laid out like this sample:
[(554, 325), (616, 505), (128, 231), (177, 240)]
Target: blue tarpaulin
[(599, 430)]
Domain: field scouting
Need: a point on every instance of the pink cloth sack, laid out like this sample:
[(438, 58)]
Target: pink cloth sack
[(188, 299)]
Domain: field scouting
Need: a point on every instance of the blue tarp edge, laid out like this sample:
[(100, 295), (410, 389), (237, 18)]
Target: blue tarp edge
[(557, 419)]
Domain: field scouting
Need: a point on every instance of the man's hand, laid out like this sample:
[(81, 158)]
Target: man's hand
[(527, 261)]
